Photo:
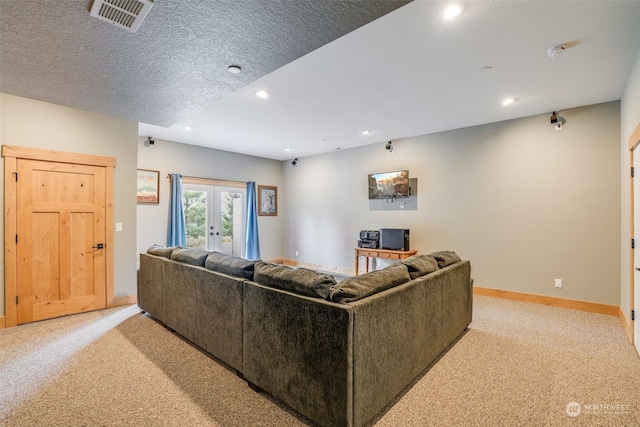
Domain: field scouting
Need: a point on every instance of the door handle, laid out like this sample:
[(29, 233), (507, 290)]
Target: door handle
[(98, 246)]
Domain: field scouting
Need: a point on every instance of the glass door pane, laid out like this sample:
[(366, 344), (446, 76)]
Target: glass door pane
[(230, 220), (196, 200)]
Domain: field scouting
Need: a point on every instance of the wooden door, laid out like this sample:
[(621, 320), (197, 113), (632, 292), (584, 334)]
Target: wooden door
[(60, 239), (634, 295)]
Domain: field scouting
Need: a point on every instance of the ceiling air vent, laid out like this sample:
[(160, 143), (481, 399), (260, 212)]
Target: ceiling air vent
[(127, 14)]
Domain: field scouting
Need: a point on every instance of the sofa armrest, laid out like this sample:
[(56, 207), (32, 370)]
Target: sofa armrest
[(401, 331), (150, 285), (298, 349)]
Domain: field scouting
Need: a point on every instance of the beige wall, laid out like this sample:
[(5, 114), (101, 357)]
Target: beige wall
[(29, 123), (171, 157), (629, 119), (525, 203)]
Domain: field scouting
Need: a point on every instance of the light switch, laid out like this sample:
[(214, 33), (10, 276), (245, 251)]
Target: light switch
[(118, 226)]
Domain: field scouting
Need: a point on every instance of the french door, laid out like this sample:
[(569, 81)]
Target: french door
[(215, 217)]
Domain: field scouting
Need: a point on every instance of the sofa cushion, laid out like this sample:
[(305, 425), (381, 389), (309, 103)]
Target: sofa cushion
[(299, 280), (445, 258), (190, 256), (358, 287), (231, 265), (160, 250), (420, 265)]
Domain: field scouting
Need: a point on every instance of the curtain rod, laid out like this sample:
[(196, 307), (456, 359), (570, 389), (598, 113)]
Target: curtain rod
[(209, 179)]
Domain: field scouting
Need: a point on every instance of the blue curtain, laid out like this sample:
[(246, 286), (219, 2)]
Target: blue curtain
[(176, 231), (252, 246)]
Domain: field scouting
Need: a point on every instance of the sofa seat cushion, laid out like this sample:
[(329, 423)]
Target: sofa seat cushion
[(190, 256), (231, 265), (445, 258), (358, 287), (298, 280), (159, 250), (420, 265)]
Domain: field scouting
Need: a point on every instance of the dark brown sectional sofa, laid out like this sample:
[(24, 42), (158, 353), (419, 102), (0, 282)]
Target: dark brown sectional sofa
[(337, 353)]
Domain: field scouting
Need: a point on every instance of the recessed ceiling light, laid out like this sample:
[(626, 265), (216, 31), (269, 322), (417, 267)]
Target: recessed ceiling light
[(263, 94), (234, 69), (366, 132), (188, 128), (508, 101), (452, 11), (287, 149)]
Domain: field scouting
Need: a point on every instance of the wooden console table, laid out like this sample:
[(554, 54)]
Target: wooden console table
[(380, 253)]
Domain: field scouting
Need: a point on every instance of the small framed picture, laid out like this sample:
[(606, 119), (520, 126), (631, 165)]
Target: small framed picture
[(148, 186), (267, 200)]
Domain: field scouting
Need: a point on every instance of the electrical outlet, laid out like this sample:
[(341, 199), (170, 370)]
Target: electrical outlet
[(558, 283), (296, 253)]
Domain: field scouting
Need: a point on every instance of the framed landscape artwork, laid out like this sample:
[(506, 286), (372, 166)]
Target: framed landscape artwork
[(148, 185), (267, 200)]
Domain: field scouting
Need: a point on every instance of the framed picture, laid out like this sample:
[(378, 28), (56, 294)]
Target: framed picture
[(148, 185), (267, 200)]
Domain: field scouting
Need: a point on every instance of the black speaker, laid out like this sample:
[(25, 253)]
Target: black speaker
[(394, 238)]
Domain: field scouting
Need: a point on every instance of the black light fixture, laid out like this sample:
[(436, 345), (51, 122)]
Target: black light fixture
[(389, 147), (294, 163)]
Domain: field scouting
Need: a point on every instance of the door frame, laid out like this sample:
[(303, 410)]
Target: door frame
[(11, 154), (634, 142)]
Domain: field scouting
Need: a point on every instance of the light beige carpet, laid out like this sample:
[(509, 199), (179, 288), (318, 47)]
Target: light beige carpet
[(518, 365)]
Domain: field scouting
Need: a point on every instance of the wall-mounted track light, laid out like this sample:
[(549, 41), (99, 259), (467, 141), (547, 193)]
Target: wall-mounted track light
[(294, 163), (557, 120), (389, 147)]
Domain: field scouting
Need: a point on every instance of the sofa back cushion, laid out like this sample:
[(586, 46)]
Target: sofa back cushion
[(190, 256), (298, 280), (159, 250), (420, 265), (358, 287), (445, 258), (231, 265)]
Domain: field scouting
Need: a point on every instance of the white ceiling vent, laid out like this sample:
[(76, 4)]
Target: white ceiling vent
[(127, 14)]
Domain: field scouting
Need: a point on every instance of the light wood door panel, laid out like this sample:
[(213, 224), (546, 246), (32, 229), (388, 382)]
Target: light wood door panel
[(61, 221)]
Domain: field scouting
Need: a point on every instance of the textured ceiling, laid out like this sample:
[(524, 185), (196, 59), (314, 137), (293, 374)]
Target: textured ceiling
[(177, 60), (334, 67)]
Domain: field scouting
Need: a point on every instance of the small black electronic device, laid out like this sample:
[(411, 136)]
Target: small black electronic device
[(369, 239), (394, 238), (369, 244), (369, 234)]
